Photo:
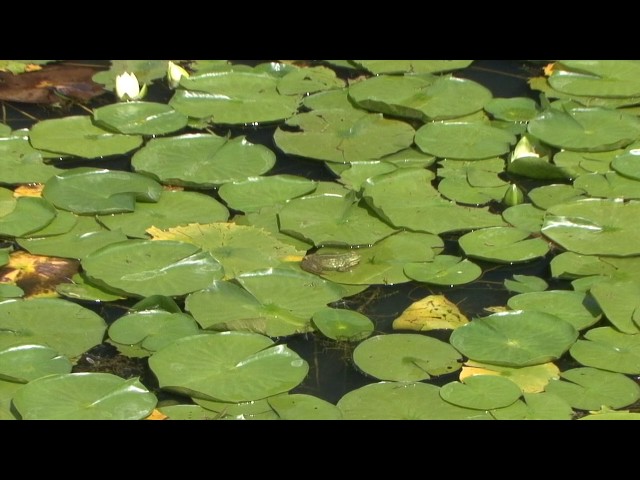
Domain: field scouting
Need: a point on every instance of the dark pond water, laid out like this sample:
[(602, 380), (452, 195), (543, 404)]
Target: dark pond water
[(331, 373)]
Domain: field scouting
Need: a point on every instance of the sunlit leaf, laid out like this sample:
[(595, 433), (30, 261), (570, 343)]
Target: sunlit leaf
[(433, 312)]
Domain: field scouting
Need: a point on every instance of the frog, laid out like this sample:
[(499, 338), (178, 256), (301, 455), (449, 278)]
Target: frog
[(319, 263)]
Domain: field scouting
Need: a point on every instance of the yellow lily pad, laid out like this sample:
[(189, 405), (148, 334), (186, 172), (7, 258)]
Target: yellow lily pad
[(532, 379), (434, 312), (37, 275)]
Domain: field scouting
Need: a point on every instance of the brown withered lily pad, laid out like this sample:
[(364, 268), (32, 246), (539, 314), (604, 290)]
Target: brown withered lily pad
[(50, 85), (37, 275)]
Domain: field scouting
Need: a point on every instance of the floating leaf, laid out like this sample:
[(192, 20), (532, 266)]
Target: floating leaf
[(309, 80), (202, 160), (24, 363), (253, 410), (536, 406), (84, 396), (482, 392), (402, 401), (515, 339), (549, 195), (80, 289), (525, 284), (89, 191), (38, 275), (590, 388), (413, 66), (229, 366), (608, 349), (405, 357), (444, 270), (303, 407), (433, 312), (608, 185), (66, 327), (597, 78), (503, 245), (524, 217), (139, 118), (627, 164), (29, 215), (577, 308), (530, 379), (80, 137), (147, 267), (342, 325), (146, 71), (343, 135), (7, 391), (514, 109)]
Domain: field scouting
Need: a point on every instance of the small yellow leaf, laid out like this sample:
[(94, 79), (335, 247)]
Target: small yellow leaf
[(434, 312), (156, 415), (548, 69), (30, 190), (531, 379)]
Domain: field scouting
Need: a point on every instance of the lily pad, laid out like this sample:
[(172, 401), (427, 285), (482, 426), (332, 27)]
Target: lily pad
[(595, 227), (590, 388), (139, 118), (444, 270), (503, 245), (29, 215), (173, 209), (152, 329), (254, 193), (525, 284), (378, 67), (24, 363), (77, 135), (402, 401), (229, 366), (482, 392), (330, 219), (524, 217), (514, 109), (608, 185), (303, 407), (463, 140), (597, 78), (84, 396), (547, 196), (433, 312), (577, 308), (515, 339), (64, 326), (234, 97), (7, 202), (608, 349), (342, 325), (435, 98), (202, 161), (343, 135), (627, 164), (309, 80), (147, 267), (7, 391), (21, 163), (89, 191), (590, 129), (253, 410), (80, 289), (531, 379), (536, 406), (405, 357)]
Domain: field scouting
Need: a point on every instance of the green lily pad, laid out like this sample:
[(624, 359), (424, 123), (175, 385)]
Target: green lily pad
[(577, 308), (608, 185), (89, 191), (146, 71), (627, 164), (7, 391), (515, 339), (253, 410), (64, 326), (594, 227), (525, 284), (597, 78), (84, 396), (524, 217), (569, 265), (29, 215), (402, 401), (531, 379), (238, 248), (80, 289), (330, 219), (202, 161), (139, 118), (444, 270), (21, 163), (612, 416), (342, 325), (590, 129), (608, 349), (10, 291), (422, 208), (463, 140), (536, 406), (274, 302), (343, 135), (86, 236), (7, 202), (619, 300), (514, 109), (328, 99), (152, 329), (579, 163), (173, 209), (354, 175), (405, 357), (234, 97), (229, 367), (378, 67), (254, 193), (547, 196), (309, 80), (435, 98), (590, 388), (482, 392), (24, 363), (146, 267), (78, 136), (187, 412), (303, 407), (503, 245)]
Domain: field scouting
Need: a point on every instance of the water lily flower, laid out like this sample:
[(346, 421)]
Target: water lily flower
[(174, 73), (513, 196), (128, 87)]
